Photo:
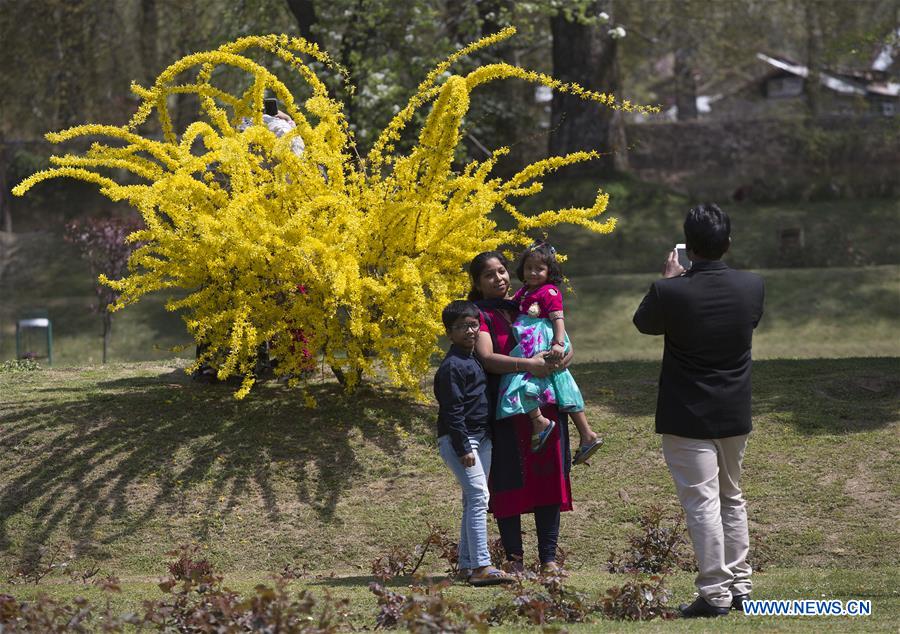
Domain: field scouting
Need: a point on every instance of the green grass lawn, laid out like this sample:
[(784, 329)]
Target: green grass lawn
[(118, 464)]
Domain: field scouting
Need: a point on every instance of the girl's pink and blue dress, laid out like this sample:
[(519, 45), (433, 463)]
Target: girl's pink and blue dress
[(521, 392)]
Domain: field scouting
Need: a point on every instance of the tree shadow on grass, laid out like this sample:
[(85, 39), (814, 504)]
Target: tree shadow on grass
[(816, 396), (828, 396), (100, 462), (89, 458)]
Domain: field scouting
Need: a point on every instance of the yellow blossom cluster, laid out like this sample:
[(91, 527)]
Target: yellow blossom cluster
[(325, 255)]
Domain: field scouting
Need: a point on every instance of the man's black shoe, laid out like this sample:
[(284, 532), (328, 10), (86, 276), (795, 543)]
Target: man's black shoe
[(737, 601), (700, 608)]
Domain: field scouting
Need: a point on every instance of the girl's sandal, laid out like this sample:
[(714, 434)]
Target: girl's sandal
[(552, 569), (584, 452), (490, 576), (539, 440)]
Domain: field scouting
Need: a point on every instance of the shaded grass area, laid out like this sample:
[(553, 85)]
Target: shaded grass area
[(41, 271), (140, 333), (121, 463), (809, 313), (650, 217)]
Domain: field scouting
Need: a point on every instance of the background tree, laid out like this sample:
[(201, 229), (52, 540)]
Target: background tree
[(685, 60), (304, 12), (101, 242), (584, 52)]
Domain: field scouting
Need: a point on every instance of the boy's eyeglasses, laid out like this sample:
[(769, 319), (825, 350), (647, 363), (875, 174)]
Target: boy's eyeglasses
[(466, 327)]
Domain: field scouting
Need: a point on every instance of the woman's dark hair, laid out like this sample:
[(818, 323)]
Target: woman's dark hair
[(456, 309), (476, 266), (548, 255), (707, 230)]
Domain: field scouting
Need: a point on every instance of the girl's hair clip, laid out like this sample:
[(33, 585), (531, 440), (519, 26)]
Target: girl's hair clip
[(536, 245)]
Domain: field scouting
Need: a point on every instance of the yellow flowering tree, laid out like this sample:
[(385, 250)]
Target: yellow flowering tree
[(355, 256)]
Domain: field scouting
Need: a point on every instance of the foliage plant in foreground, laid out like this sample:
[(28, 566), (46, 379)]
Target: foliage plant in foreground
[(399, 560), (12, 366), (241, 224), (536, 597), (542, 599), (638, 600), (195, 600), (425, 610), (655, 547)]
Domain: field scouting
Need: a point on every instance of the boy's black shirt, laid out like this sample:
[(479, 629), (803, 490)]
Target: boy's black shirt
[(460, 387)]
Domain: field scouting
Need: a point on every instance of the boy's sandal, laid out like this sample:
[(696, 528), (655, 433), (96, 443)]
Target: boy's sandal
[(463, 575), (490, 576), (539, 440), (584, 452)]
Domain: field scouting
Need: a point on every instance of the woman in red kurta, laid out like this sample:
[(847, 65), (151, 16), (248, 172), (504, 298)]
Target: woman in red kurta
[(520, 481)]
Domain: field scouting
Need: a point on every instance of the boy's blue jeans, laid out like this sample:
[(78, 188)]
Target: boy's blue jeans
[(473, 547)]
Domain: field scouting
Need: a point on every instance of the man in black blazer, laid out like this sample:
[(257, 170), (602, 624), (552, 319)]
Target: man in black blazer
[(707, 315)]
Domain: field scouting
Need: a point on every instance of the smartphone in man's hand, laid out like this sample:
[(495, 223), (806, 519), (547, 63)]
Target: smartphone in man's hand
[(270, 106), (681, 250)]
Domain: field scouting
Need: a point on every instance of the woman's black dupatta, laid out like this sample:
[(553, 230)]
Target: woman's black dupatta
[(507, 466)]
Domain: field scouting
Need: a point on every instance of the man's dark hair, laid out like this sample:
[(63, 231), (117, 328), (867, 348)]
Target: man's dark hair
[(456, 309), (548, 255), (707, 230)]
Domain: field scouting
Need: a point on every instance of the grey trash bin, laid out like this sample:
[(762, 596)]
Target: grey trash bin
[(37, 320)]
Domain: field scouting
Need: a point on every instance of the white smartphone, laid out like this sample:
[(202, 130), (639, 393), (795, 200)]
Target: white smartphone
[(683, 260)]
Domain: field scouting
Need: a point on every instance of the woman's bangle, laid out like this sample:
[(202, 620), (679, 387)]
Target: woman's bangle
[(517, 365)]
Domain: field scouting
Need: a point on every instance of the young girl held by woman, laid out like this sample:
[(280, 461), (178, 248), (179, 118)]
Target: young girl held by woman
[(540, 326)]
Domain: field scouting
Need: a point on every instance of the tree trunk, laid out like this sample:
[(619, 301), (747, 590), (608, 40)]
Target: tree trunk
[(305, 13), (685, 85), (357, 39), (342, 378), (502, 107), (685, 79), (70, 61), (813, 57), (107, 332), (5, 197), (585, 54), (186, 106), (149, 40)]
